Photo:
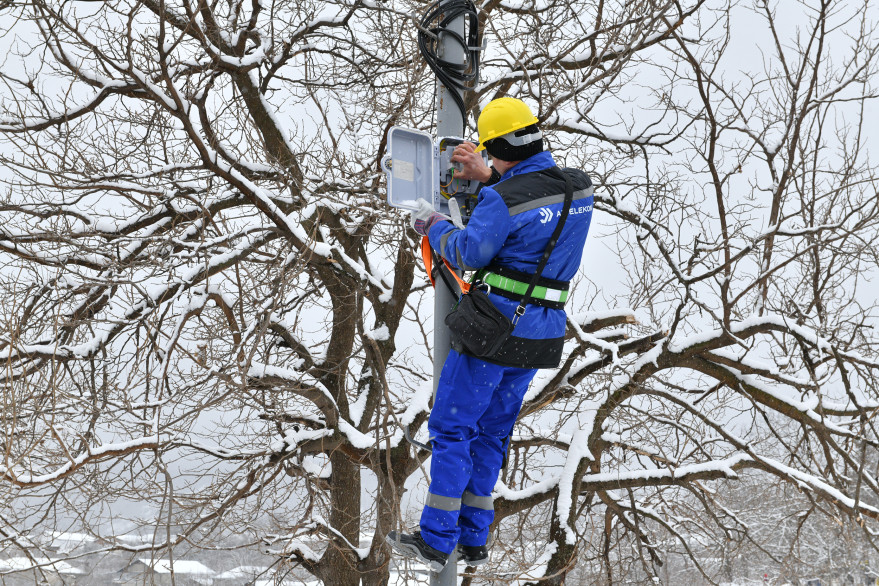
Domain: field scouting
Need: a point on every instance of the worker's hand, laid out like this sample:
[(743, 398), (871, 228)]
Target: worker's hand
[(472, 164), (424, 217)]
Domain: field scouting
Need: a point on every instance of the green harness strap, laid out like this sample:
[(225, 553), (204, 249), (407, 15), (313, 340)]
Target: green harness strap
[(509, 285)]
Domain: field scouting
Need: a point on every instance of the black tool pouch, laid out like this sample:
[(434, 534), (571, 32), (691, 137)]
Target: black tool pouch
[(476, 326)]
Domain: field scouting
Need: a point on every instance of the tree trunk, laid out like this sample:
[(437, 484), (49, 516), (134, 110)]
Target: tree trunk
[(562, 561), (375, 567), (339, 566)]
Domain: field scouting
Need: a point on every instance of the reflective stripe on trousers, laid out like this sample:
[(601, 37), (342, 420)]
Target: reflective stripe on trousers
[(447, 503), (475, 409)]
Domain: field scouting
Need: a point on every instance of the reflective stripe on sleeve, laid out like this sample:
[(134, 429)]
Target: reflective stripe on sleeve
[(444, 239), (461, 264)]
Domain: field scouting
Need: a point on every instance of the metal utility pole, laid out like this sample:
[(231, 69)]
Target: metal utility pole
[(449, 122)]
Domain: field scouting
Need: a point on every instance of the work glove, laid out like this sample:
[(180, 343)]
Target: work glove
[(455, 214), (424, 217)]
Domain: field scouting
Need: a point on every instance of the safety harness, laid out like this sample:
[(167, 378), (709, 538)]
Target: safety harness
[(513, 284), (502, 281), (427, 255)]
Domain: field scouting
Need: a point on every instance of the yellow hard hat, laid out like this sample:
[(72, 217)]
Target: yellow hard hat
[(502, 116)]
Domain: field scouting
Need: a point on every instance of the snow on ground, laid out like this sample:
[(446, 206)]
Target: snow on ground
[(18, 564), (163, 566)]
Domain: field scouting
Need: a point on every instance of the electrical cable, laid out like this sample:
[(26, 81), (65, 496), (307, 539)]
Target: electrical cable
[(434, 27), (444, 186)]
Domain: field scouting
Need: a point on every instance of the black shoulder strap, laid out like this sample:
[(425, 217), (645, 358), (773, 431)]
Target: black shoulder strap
[(569, 198)]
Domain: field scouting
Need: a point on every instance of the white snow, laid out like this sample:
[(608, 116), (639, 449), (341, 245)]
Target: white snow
[(418, 403), (538, 569), (261, 370), (301, 548), (724, 466), (243, 572), (318, 466), (64, 542), (810, 481), (578, 452), (380, 334), (293, 438), (18, 564), (164, 566), (542, 487), (355, 437), (93, 453)]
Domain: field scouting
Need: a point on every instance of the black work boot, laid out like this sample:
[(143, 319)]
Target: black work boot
[(473, 555), (413, 546)]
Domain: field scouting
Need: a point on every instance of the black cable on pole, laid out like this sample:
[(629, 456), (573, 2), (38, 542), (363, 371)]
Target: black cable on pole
[(457, 76)]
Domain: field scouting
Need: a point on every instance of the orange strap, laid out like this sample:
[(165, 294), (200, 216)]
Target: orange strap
[(427, 257)]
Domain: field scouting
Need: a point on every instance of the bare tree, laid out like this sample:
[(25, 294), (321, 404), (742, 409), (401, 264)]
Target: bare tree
[(202, 282), (749, 232), (215, 327)]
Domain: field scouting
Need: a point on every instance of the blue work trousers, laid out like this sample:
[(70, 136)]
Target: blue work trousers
[(476, 406)]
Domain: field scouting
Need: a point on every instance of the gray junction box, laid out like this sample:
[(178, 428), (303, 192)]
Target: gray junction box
[(418, 167)]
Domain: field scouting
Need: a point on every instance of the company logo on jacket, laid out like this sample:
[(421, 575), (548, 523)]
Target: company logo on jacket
[(583, 209), (546, 214)]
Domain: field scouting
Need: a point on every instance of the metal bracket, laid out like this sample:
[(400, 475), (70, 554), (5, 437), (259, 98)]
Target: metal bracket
[(414, 441)]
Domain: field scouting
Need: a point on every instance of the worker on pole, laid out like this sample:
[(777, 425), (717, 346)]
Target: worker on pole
[(478, 399)]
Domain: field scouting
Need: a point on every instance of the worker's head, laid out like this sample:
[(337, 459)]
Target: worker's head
[(508, 130)]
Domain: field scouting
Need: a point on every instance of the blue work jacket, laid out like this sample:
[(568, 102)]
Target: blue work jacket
[(510, 227)]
